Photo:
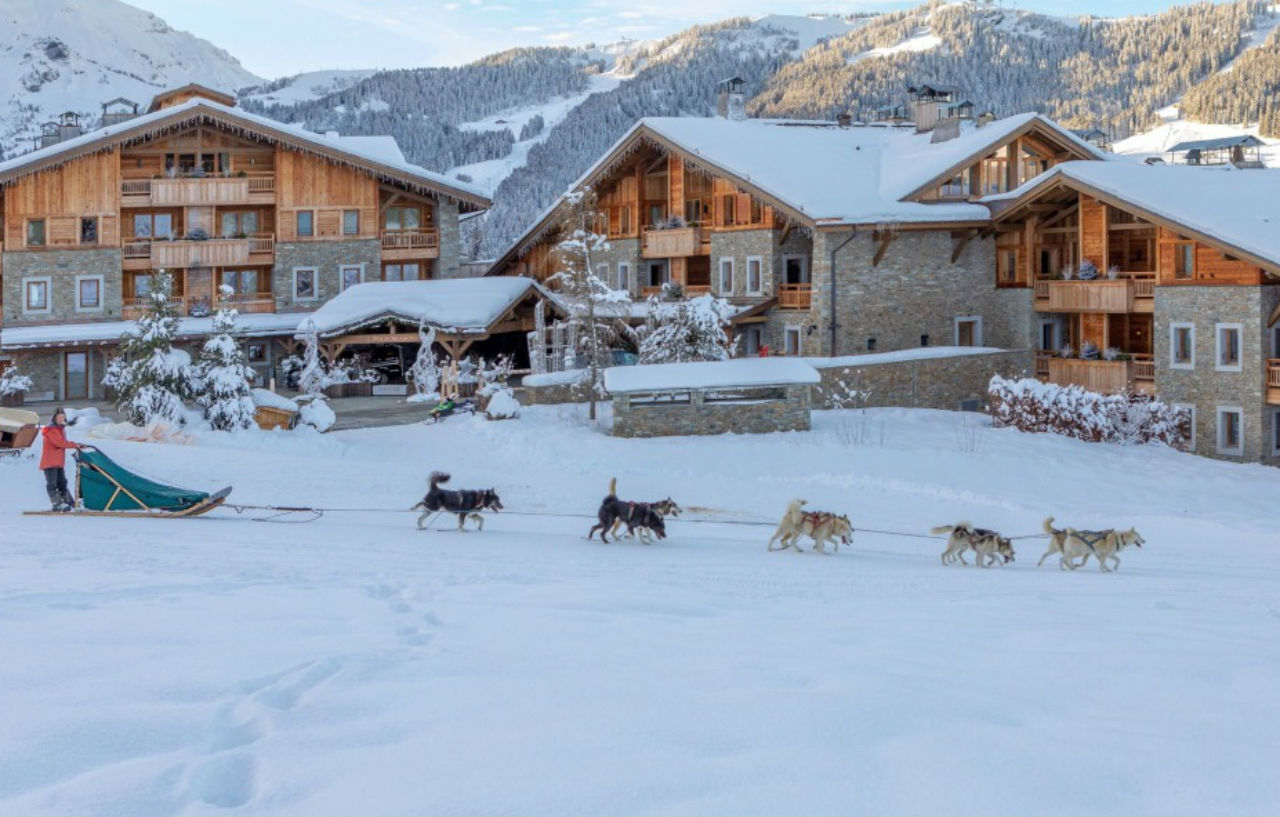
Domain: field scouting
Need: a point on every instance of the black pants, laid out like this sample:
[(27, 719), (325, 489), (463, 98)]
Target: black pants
[(55, 480)]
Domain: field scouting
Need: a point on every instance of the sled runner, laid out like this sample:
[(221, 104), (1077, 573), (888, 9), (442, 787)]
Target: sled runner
[(107, 489)]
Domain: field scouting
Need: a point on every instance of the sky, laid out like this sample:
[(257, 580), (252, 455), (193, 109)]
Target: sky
[(275, 38)]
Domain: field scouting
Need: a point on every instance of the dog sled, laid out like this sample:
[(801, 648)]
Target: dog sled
[(105, 488), (18, 430)]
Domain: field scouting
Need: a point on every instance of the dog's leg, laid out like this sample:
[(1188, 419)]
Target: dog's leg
[(462, 518), (422, 518), (1046, 555), (479, 521)]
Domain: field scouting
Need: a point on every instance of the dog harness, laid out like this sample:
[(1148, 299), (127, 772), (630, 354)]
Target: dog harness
[(1090, 537)]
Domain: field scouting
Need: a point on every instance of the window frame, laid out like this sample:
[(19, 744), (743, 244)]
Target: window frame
[(97, 231), (44, 233), (27, 309), (1275, 432), (725, 262), (347, 214), (756, 333), (297, 223), (624, 276), (342, 275), (315, 284), (789, 332), (1174, 363), (1218, 330), (976, 320), (602, 272), (759, 288), (1179, 247), (1007, 275), (80, 279), (805, 272), (1221, 448)]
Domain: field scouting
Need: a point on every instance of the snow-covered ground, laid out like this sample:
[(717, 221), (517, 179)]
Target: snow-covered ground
[(310, 85), (1157, 141), (353, 664)]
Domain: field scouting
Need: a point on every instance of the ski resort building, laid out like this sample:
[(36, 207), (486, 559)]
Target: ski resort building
[(842, 239), (286, 218)]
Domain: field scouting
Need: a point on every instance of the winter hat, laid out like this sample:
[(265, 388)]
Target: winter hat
[(63, 412)]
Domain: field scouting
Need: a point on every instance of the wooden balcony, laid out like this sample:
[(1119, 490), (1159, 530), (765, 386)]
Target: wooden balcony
[(400, 245), (213, 252), (135, 307), (695, 290), (1273, 382), (217, 190), (1121, 295), (245, 303), (1103, 376), (795, 296), (248, 303), (680, 242)]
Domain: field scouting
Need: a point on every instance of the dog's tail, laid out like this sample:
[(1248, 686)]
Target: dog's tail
[(938, 531), (1048, 526), (613, 486), (438, 477)]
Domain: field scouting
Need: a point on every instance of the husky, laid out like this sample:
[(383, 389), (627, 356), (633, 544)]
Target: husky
[(820, 526), (989, 546), (663, 508), (1101, 544), (1056, 537), (466, 504)]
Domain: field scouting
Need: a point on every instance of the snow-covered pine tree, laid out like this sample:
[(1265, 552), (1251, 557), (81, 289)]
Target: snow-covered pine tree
[(224, 375), (311, 380), (587, 293), (686, 330), (425, 372), (152, 380), (13, 381)]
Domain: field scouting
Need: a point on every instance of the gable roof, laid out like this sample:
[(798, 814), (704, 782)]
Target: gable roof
[(1235, 210), (1246, 140), (364, 156), (830, 175), (221, 97)]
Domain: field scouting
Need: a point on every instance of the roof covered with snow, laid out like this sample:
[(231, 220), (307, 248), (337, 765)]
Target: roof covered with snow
[(1239, 208), (1247, 140), (747, 371), (371, 152), (108, 332), (457, 305)]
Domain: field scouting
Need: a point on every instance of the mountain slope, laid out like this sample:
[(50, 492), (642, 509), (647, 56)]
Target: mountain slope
[(73, 55)]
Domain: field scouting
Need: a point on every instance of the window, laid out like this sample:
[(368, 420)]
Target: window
[(969, 331), (795, 269), (401, 218), (89, 293), (871, 344), (924, 340), (755, 275), (35, 232), (238, 224), (1007, 266), (693, 211), (602, 272), (1227, 354), (726, 276), (791, 340), (241, 281), (306, 223), (153, 225), (624, 221), (1049, 336), (89, 230), (1182, 346), (1275, 341), (1191, 410), (729, 209), (752, 341), (304, 284), (400, 272), (257, 352), (350, 274), (624, 276), (1275, 432), (1230, 430), (657, 214), (1184, 260), (75, 375), (36, 295), (350, 222)]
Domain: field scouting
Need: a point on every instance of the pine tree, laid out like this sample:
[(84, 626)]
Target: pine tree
[(311, 380), (224, 376), (151, 379), (585, 290), (686, 330)]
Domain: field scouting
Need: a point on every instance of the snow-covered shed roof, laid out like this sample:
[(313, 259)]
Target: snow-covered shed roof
[(109, 332), (741, 372), (1247, 140), (1221, 205), (463, 306), (372, 156)]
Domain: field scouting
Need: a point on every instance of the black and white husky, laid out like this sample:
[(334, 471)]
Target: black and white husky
[(466, 504)]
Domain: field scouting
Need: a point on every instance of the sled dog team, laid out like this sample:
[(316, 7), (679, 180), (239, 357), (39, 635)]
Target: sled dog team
[(647, 521)]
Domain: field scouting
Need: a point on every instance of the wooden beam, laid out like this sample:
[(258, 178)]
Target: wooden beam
[(885, 240), (961, 241), (786, 231), (382, 210), (370, 337), (1275, 316)]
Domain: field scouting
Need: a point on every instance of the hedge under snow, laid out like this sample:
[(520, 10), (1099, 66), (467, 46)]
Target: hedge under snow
[(1030, 405)]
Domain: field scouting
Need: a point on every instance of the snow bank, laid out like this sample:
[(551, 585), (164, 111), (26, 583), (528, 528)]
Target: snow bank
[(317, 414), (502, 406), (157, 431), (766, 371), (85, 418), (263, 397), (565, 378)]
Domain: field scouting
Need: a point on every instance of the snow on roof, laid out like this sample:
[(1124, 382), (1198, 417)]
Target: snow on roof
[(1239, 207), (18, 337), (358, 147), (900, 355), (1247, 140), (748, 371), (461, 305)]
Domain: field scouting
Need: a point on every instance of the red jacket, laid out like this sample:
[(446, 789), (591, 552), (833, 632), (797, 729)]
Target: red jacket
[(55, 447)]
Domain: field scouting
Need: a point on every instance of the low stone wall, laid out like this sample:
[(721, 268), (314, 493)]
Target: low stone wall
[(951, 382), (698, 417), (550, 395)]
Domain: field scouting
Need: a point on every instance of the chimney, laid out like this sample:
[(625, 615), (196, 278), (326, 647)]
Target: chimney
[(730, 99), (844, 120), (69, 126), (929, 104), (986, 118)]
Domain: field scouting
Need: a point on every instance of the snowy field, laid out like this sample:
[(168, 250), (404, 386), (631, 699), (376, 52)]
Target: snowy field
[(355, 665)]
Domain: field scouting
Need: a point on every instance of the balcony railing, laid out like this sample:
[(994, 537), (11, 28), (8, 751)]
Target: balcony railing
[(410, 239), (695, 290), (213, 190), (1133, 292), (244, 303), (1273, 382), (135, 307), (678, 242), (795, 296), (1104, 376), (247, 303)]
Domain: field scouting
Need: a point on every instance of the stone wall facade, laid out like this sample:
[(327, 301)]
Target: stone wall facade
[(699, 417), (621, 251), (326, 257), (953, 383), (46, 368), (63, 268), (1204, 385), (551, 395), (450, 261), (913, 297)]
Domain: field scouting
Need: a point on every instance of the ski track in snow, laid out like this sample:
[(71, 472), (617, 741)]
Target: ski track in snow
[(355, 664)]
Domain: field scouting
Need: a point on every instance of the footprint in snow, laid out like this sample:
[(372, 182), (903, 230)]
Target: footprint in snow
[(227, 781)]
